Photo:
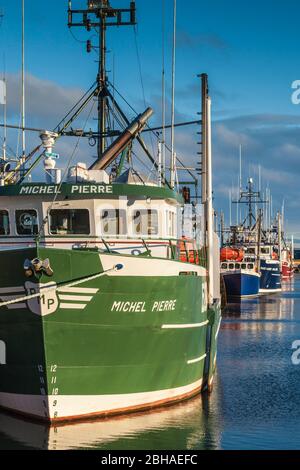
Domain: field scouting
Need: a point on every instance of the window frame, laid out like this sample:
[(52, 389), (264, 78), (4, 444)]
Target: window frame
[(67, 233), (16, 225), (141, 234), (9, 223), (125, 233)]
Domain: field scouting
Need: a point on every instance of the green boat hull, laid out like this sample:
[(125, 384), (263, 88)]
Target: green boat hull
[(115, 341)]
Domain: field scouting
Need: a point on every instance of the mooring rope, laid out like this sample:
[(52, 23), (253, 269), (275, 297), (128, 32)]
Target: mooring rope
[(55, 287)]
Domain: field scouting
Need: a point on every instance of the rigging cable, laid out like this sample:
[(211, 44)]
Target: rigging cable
[(66, 170), (141, 75), (75, 38), (150, 130)]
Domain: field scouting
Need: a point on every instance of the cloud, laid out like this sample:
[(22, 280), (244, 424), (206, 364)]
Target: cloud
[(46, 101), (270, 141)]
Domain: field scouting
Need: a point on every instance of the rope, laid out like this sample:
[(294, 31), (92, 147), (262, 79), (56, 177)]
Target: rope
[(55, 287)]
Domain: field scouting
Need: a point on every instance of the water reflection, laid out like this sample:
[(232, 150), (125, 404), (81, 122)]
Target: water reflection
[(255, 403), (189, 425)]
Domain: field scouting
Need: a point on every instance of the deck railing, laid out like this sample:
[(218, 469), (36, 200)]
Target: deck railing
[(184, 250)]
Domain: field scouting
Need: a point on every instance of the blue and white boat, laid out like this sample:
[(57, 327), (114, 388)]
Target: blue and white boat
[(249, 250), (241, 279), (270, 281)]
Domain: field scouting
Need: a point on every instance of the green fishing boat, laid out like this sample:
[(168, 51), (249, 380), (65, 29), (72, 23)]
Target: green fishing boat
[(109, 282)]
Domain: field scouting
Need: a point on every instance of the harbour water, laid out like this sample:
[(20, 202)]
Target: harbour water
[(255, 403)]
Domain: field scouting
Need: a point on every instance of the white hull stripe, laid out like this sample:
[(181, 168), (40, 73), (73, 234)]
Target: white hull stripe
[(187, 325), (77, 290), (266, 291), (137, 266), (10, 290), (6, 298), (68, 406), (17, 306), (198, 359), (80, 298), (72, 306)]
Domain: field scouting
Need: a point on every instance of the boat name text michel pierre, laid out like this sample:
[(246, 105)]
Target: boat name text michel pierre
[(136, 307), (75, 189)]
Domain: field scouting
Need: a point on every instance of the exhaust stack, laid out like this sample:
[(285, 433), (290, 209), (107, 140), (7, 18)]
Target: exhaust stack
[(122, 141)]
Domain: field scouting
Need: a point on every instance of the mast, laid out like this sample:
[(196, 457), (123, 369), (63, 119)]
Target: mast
[(204, 80), (173, 155), (240, 186), (4, 117), (240, 177), (101, 79), (23, 83), (222, 229), (259, 228), (279, 237), (207, 193), (106, 16), (160, 165), (250, 202), (163, 95), (210, 212), (3, 101)]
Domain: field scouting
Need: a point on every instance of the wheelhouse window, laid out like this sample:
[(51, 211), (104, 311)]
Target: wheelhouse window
[(69, 222), (171, 223), (224, 266), (26, 222), (4, 223), (113, 222), (145, 222), (265, 251)]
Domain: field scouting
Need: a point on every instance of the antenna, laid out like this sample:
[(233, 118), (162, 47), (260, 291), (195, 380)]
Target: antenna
[(3, 100), (4, 116), (23, 82), (241, 184), (251, 198), (100, 15), (173, 156), (163, 94)]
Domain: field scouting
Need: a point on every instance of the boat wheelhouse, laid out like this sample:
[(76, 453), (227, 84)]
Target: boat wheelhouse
[(89, 215)]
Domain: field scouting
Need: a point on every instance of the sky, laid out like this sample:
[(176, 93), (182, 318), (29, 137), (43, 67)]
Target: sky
[(250, 51)]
